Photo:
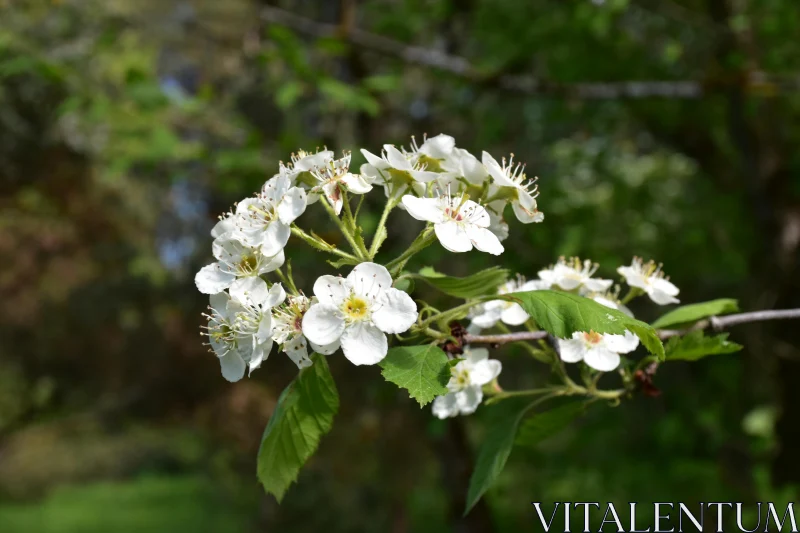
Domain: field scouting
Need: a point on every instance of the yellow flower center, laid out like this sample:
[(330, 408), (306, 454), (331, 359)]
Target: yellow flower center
[(461, 377), (355, 308), (249, 263)]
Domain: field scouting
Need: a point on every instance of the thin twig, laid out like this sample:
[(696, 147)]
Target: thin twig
[(717, 323), (761, 83)]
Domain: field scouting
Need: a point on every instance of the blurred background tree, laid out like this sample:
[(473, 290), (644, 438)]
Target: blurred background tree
[(661, 128)]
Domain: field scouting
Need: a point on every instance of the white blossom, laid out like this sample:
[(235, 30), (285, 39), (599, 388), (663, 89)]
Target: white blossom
[(303, 161), (488, 314), (335, 174), (234, 260), (359, 311), (649, 277), (574, 273), (523, 191), (468, 377), (599, 351), (463, 164), (265, 219), (287, 330), (397, 171), (240, 325), (459, 223)]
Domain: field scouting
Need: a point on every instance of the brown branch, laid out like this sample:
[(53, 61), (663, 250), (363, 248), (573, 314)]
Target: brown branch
[(758, 83), (717, 323)]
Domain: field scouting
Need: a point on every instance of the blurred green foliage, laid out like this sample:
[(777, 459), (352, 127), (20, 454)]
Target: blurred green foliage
[(127, 127)]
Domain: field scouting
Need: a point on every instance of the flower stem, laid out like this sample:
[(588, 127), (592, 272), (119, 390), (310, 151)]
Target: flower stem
[(344, 229), (633, 292), (317, 243), (287, 280), (380, 231), (422, 241), (355, 231)]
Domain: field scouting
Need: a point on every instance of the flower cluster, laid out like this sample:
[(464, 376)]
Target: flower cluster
[(461, 198), (600, 352)]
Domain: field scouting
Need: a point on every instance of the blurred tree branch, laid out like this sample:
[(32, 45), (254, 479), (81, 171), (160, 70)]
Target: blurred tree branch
[(756, 82)]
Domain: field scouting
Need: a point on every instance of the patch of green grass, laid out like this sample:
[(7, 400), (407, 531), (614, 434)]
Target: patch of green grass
[(152, 504)]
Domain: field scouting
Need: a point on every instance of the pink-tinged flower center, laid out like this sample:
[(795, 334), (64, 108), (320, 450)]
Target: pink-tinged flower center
[(453, 213), (592, 337)]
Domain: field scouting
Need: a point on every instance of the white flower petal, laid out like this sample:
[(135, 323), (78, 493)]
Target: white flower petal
[(331, 290), (275, 296), (396, 158), (445, 406), (427, 209), (484, 240), (250, 290), (496, 171), (485, 371), (310, 161), (597, 285), (632, 277), (323, 324), (233, 366), (514, 315), (272, 263), (260, 354), (661, 298), (377, 162), (211, 279), (292, 205), (264, 332), (369, 279), (621, 343), (296, 349), (568, 284), (219, 302), (363, 343), (438, 147), (534, 285), (469, 399), (226, 225), (601, 358), (453, 236), (475, 355), (356, 183), (397, 313), (665, 286), (325, 349), (334, 195), (571, 350), (424, 176), (487, 319), (472, 169)]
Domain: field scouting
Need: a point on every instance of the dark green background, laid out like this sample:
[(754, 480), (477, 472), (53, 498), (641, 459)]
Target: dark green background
[(127, 126)]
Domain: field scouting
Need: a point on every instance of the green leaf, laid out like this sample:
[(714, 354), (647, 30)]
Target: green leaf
[(689, 314), (543, 425), (288, 94), (478, 284), (303, 415), (382, 82), (405, 284), (496, 448), (696, 345), (562, 313), (422, 370)]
